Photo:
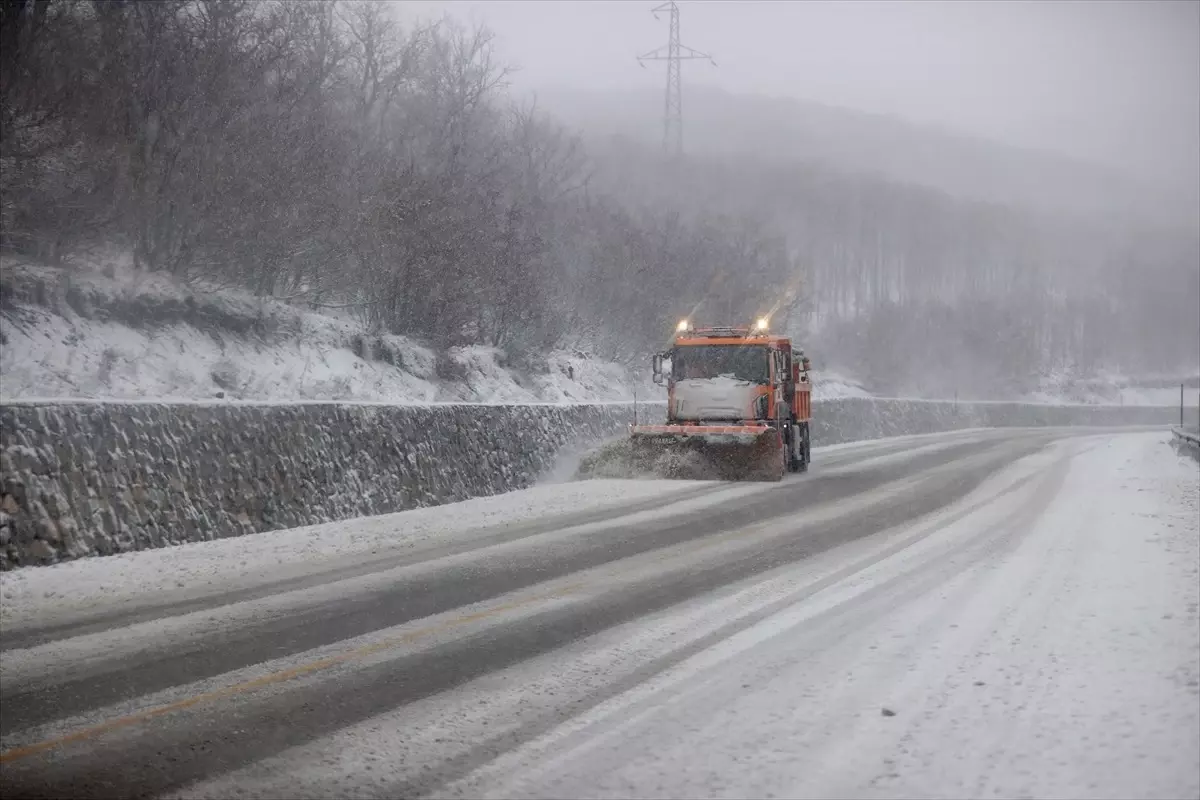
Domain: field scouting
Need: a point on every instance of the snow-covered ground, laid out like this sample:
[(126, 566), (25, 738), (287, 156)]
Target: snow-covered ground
[(829, 385), (90, 348), (1113, 388), (1115, 394)]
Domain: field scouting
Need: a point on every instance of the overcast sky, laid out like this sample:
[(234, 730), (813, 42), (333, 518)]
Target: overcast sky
[(1116, 81)]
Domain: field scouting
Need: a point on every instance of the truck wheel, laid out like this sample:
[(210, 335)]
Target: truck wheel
[(792, 445), (805, 448)]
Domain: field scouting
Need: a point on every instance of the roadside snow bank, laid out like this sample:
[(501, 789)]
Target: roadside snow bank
[(831, 385)]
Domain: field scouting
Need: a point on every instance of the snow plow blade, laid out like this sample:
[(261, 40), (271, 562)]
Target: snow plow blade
[(707, 452)]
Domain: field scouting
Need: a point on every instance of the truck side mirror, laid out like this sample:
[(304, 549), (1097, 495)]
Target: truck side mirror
[(658, 368), (803, 365)]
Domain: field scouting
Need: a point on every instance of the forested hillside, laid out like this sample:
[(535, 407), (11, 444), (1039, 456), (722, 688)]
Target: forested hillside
[(920, 292), (340, 156)]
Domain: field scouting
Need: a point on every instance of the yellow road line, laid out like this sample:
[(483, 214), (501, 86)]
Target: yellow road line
[(269, 679)]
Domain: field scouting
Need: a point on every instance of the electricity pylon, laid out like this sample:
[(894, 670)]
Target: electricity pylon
[(674, 54)]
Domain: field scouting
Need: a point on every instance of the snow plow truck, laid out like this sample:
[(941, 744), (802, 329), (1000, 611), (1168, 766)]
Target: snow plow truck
[(739, 403)]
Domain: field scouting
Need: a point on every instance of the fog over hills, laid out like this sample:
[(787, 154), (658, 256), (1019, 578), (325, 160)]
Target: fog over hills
[(719, 122)]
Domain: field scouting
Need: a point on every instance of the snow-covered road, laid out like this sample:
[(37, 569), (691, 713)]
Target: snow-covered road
[(978, 614)]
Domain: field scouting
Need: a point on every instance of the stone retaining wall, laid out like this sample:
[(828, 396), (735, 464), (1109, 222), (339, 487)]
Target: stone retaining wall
[(83, 479)]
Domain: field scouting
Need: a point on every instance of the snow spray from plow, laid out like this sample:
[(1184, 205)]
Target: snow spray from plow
[(690, 452)]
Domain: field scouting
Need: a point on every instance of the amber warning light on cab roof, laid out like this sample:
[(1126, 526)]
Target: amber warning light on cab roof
[(761, 325)]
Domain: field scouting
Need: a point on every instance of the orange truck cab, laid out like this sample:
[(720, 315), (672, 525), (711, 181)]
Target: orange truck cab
[(742, 384)]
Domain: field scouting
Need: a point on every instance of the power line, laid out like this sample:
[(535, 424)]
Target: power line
[(674, 54)]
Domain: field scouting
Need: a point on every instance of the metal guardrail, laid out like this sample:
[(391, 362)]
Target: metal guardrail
[(1186, 441), (1187, 434)]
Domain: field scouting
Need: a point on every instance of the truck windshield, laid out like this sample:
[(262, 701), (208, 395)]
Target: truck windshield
[(743, 362)]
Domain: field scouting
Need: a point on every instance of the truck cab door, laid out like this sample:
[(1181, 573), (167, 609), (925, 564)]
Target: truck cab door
[(778, 378)]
